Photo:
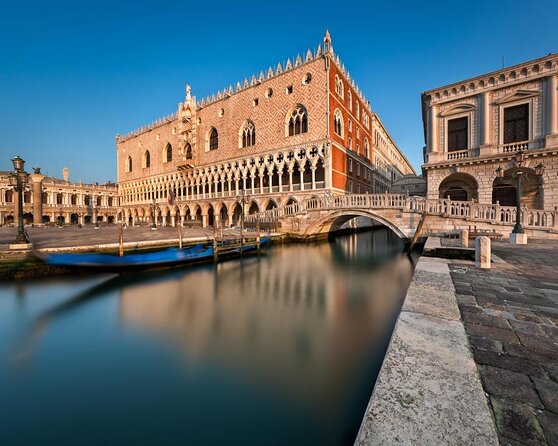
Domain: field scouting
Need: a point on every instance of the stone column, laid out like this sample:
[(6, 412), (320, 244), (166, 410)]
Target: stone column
[(301, 170), (36, 180), (482, 252), (261, 175), (290, 179), (552, 106), (313, 168), (485, 117), (432, 130), (281, 181), (271, 182)]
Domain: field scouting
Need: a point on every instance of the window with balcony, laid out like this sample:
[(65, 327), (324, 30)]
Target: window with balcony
[(458, 130), (516, 123)]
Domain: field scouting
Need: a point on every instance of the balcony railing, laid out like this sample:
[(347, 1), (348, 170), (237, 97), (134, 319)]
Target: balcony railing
[(461, 154)]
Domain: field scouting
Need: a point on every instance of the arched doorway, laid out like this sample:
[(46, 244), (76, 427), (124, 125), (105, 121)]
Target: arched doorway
[(224, 216), (46, 219), (236, 214), (210, 216), (253, 208), (459, 187), (74, 219), (505, 193), (27, 218)]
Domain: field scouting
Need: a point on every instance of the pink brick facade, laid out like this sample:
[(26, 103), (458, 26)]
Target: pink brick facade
[(279, 167)]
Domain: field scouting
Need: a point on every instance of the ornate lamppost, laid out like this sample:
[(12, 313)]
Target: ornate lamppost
[(18, 180), (242, 199), (153, 210)]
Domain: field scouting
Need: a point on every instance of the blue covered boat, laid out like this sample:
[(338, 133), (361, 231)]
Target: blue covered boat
[(166, 258)]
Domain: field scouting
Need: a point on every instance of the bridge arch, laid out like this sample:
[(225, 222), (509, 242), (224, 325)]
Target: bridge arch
[(334, 220)]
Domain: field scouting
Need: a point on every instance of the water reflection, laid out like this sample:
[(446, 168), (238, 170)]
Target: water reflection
[(285, 347)]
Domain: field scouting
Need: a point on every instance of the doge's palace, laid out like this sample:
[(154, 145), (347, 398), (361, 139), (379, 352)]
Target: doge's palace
[(298, 130)]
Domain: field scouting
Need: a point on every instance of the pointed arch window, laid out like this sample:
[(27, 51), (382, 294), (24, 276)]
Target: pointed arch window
[(339, 87), (129, 164), (146, 159), (366, 148), (213, 139), (338, 123), (350, 100), (188, 152), (168, 152), (298, 121), (249, 134)]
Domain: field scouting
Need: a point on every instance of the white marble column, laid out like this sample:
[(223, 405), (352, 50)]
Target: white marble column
[(432, 130), (485, 119), (552, 106)]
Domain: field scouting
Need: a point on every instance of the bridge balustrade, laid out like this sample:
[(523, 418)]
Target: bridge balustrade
[(443, 207)]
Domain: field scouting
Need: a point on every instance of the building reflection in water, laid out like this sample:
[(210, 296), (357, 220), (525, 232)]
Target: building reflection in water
[(302, 322)]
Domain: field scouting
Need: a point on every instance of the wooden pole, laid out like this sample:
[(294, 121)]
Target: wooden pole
[(120, 240), (180, 235), (215, 254), (258, 234), (417, 232)]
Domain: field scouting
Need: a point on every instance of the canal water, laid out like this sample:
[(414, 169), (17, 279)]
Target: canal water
[(280, 349)]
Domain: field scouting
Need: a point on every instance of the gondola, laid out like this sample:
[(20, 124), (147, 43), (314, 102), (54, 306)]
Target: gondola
[(167, 258)]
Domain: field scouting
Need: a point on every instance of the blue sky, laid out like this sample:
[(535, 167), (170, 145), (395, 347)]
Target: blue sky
[(73, 74)]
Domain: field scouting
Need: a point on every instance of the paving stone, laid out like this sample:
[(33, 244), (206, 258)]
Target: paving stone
[(538, 342), (548, 393), (482, 343), (552, 371), (528, 327), (508, 362), (518, 422), (500, 334), (466, 299), (540, 356), (482, 319), (469, 308), (508, 384), (549, 422)]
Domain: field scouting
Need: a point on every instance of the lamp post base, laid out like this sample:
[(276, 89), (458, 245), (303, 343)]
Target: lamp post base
[(518, 239), (21, 246)]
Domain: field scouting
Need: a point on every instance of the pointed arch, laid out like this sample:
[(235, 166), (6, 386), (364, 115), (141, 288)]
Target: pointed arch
[(297, 121), (338, 122), (168, 153), (188, 151), (212, 139), (247, 136), (129, 164), (146, 159)]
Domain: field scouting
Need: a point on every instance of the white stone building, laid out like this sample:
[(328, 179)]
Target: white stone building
[(474, 130)]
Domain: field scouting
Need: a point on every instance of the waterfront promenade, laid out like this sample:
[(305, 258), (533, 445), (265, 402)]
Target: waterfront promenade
[(72, 236), (510, 314)]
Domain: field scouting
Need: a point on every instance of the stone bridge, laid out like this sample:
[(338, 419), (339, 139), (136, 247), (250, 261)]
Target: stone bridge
[(318, 216)]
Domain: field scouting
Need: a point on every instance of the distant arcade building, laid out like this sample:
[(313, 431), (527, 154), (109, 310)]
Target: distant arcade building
[(59, 201), (474, 130), (299, 130)]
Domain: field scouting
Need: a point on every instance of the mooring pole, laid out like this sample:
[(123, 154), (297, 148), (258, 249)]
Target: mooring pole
[(120, 240), (215, 255), (258, 234), (180, 235)]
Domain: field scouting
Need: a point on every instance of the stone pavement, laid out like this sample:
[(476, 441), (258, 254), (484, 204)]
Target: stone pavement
[(71, 236), (510, 315), (428, 391)]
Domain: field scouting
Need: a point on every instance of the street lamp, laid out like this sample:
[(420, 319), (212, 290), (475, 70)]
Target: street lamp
[(18, 180), (153, 209), (518, 229), (242, 199)]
